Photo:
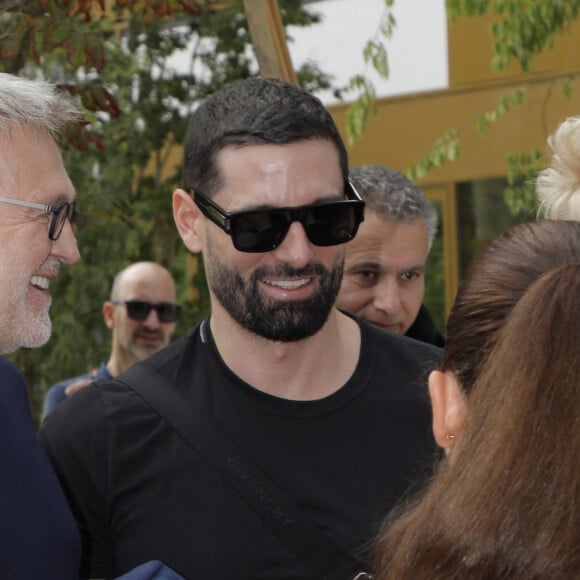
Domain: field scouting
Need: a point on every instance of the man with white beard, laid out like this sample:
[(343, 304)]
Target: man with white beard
[(38, 536)]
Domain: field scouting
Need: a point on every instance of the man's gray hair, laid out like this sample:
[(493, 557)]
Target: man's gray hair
[(391, 195), (558, 185), (35, 103)]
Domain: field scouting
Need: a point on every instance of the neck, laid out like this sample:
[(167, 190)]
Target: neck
[(307, 369)]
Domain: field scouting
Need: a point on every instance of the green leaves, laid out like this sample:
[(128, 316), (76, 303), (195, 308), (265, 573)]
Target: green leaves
[(567, 89), (521, 29), (446, 148), (523, 169), (504, 105), (358, 113), (375, 53), (375, 56)]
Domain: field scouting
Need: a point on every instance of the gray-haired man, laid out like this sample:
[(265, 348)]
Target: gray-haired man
[(384, 272), (38, 536)]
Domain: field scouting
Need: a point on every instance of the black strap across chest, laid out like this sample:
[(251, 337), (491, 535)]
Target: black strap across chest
[(317, 551)]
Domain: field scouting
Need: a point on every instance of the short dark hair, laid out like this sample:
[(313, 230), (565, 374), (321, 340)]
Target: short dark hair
[(252, 112)]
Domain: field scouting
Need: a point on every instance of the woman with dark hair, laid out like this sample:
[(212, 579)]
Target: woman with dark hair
[(506, 407)]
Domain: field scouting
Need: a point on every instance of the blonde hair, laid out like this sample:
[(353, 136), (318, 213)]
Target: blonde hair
[(558, 185)]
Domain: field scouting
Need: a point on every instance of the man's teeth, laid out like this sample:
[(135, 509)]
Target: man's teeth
[(288, 284), (40, 282)]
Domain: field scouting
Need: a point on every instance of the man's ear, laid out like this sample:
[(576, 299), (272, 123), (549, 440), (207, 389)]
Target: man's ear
[(108, 311), (449, 407), (187, 218)]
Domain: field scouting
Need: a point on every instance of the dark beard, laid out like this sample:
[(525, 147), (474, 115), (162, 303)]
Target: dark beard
[(277, 320)]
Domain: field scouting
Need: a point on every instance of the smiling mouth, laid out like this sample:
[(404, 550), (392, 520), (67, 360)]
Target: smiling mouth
[(287, 284), (40, 282)]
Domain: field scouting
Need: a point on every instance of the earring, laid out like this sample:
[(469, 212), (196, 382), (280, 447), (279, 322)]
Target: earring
[(450, 436)]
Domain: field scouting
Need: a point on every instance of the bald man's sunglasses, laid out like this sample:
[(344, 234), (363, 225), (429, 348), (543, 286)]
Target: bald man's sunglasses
[(139, 310), (263, 230)]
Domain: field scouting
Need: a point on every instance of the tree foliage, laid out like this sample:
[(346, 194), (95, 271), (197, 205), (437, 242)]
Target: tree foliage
[(521, 30), (446, 148), (375, 57), (138, 67)]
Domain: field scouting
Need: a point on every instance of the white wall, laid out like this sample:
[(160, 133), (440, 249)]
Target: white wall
[(417, 51)]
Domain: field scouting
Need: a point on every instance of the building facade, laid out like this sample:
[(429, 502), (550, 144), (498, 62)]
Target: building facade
[(468, 191)]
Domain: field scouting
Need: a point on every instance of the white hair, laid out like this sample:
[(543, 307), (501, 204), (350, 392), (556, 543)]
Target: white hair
[(558, 185), (36, 103)]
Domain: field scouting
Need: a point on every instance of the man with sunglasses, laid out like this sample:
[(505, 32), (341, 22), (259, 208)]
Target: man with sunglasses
[(38, 535), (309, 424), (141, 316)]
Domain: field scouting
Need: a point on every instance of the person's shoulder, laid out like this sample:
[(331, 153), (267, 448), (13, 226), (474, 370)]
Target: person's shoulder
[(109, 395), (168, 359), (9, 372), (84, 397), (14, 385), (89, 413), (74, 415), (56, 394), (62, 385), (425, 329), (392, 342), (163, 362)]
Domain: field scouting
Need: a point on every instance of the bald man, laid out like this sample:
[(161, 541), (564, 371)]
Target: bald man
[(141, 315)]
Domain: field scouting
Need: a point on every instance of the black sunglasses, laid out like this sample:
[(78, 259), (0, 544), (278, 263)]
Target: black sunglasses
[(139, 310), (263, 230), (60, 213)]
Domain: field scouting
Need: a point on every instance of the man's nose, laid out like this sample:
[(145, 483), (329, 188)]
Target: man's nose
[(152, 320), (66, 247), (295, 249), (388, 296)]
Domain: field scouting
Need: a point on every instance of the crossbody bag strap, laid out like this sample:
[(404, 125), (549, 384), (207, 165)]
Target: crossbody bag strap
[(316, 551)]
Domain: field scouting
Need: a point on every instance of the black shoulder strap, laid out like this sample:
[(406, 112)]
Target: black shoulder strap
[(317, 551)]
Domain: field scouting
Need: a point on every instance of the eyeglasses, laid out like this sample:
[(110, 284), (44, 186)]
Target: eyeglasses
[(60, 213), (263, 230), (139, 310)]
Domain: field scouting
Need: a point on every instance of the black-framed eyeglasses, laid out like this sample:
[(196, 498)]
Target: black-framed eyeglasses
[(263, 230), (139, 310), (60, 213)]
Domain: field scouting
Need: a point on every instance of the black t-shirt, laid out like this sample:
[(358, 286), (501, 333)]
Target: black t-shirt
[(141, 493)]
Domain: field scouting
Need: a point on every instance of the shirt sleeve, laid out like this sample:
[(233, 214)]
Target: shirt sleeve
[(75, 436)]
